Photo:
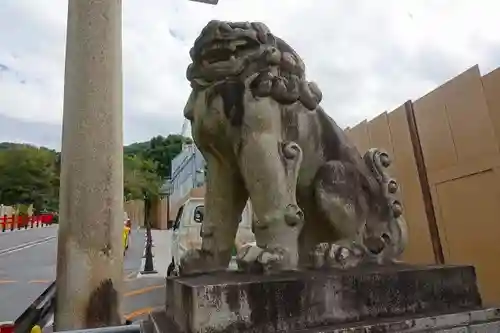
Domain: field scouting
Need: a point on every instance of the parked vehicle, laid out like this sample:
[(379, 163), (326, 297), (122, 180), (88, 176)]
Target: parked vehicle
[(186, 230)]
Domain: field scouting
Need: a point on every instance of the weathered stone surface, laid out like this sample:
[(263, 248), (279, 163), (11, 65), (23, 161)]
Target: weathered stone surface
[(475, 321), (90, 251), (232, 302), (258, 122)]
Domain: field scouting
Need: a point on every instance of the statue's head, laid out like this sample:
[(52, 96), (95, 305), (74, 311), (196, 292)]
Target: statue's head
[(250, 53)]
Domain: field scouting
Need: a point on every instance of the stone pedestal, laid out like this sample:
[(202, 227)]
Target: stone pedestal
[(236, 302)]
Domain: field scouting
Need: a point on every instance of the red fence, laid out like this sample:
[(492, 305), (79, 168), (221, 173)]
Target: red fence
[(19, 222)]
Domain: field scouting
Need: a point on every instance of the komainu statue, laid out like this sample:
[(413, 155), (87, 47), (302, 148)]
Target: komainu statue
[(258, 123)]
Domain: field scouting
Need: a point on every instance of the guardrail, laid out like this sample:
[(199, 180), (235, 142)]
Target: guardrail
[(39, 312), (19, 222), (132, 328)]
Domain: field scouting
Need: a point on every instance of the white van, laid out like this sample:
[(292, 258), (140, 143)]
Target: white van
[(186, 229)]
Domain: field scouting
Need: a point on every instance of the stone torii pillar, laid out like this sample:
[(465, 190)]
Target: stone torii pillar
[(90, 251)]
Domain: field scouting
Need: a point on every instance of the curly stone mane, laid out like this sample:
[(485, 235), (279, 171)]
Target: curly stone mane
[(235, 51)]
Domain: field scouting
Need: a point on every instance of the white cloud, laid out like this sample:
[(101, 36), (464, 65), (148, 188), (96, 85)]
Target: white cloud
[(367, 56)]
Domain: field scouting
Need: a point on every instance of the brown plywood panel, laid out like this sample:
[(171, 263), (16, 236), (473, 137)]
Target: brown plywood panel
[(347, 132), (135, 211), (468, 115), (491, 89), (380, 136), (441, 228), (419, 248), (360, 137), (465, 168), (378, 129), (434, 131), (379, 133), (469, 213)]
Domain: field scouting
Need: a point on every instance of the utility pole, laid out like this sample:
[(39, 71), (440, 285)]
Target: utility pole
[(90, 254)]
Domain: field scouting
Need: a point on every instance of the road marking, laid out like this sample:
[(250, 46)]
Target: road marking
[(40, 281), (138, 313), (7, 281), (143, 290), (25, 245), (50, 281)]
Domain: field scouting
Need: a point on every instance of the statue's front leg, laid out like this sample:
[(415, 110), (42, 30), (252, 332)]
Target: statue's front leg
[(270, 169), (343, 204), (368, 225), (225, 199)]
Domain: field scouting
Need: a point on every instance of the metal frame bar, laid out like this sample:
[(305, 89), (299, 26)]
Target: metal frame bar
[(133, 328)]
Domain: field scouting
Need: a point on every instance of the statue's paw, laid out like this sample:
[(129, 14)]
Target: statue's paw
[(328, 255), (252, 258), (318, 255), (343, 257), (196, 261)]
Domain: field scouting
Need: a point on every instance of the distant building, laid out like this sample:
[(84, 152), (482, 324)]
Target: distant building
[(188, 174)]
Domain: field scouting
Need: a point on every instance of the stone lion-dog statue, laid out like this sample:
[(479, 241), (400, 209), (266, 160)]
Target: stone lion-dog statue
[(257, 121)]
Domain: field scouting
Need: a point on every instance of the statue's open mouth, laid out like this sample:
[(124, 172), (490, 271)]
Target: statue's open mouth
[(222, 57), (220, 51), (224, 50)]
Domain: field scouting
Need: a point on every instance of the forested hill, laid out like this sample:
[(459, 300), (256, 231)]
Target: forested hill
[(30, 174)]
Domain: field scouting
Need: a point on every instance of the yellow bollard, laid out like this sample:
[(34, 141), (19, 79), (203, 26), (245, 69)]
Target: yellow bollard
[(36, 329)]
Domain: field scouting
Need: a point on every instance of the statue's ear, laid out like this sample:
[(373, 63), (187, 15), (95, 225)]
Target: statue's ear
[(189, 108)]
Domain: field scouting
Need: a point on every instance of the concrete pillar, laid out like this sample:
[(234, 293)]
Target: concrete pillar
[(90, 252)]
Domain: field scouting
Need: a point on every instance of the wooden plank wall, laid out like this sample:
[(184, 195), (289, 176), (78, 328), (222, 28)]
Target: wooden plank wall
[(458, 124), (135, 211), (456, 128), (390, 131)]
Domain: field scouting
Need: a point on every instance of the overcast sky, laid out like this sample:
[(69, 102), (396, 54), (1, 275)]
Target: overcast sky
[(367, 56)]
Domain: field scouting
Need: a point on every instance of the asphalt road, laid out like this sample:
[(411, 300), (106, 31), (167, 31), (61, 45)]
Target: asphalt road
[(28, 266)]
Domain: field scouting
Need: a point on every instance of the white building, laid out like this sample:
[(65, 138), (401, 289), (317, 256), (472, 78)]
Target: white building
[(188, 172)]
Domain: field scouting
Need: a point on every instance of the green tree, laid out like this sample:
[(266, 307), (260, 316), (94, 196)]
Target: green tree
[(136, 148), (140, 177), (28, 176), (161, 150)]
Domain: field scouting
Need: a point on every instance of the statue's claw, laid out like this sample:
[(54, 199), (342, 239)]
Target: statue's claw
[(251, 258), (337, 255)]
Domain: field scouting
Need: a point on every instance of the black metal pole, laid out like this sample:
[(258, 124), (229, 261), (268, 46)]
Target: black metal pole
[(148, 265)]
